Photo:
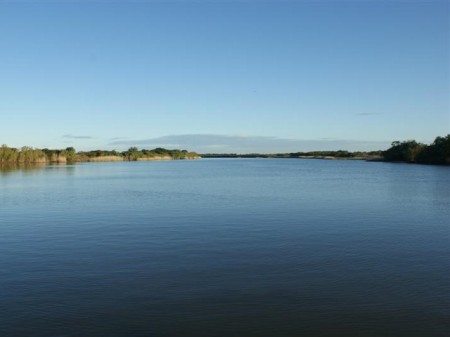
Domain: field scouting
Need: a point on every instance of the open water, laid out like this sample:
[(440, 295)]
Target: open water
[(225, 247)]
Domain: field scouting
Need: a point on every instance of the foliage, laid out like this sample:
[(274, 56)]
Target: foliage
[(413, 152), (407, 151), (132, 154), (24, 155), (31, 155), (8, 154), (436, 153), (96, 153), (66, 155)]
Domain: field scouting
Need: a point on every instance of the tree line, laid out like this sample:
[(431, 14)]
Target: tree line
[(413, 152), (407, 151), (340, 154), (24, 155), (28, 154)]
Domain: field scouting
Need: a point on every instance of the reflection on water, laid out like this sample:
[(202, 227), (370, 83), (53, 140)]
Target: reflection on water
[(7, 168), (31, 168)]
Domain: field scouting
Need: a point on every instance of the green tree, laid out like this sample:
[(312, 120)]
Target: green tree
[(407, 151), (437, 153), (133, 154), (69, 153)]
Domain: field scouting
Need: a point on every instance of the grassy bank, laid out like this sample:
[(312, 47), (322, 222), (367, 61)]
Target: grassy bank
[(27, 154)]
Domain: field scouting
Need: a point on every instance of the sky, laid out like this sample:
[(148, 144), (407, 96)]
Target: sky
[(224, 76)]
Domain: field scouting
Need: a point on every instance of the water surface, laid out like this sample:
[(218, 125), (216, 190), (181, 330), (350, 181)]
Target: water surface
[(225, 247)]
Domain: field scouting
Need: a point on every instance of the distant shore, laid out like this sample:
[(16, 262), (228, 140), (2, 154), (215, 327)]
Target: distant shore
[(410, 151), (29, 155), (290, 156), (437, 153)]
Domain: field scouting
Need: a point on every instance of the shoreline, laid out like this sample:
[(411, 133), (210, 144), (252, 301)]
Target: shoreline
[(110, 159), (437, 153)]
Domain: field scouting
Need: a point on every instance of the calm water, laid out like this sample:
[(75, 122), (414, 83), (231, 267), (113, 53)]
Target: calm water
[(240, 247)]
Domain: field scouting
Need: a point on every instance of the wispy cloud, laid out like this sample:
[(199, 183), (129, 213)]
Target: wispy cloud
[(68, 136), (368, 114), (207, 143), (117, 138)]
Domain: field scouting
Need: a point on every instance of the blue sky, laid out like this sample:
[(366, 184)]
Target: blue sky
[(224, 76)]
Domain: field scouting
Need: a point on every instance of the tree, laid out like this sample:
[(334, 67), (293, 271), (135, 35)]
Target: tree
[(133, 154), (69, 153), (437, 153), (407, 151)]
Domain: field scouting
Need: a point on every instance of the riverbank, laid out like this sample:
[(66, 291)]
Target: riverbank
[(29, 155), (437, 153)]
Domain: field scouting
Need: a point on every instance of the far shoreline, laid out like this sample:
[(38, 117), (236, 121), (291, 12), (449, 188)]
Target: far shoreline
[(437, 153)]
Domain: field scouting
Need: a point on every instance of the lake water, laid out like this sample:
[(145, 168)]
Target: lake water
[(225, 247)]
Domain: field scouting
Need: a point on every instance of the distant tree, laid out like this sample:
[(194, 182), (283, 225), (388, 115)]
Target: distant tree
[(437, 153), (407, 151), (160, 150), (133, 154), (8, 154), (69, 153)]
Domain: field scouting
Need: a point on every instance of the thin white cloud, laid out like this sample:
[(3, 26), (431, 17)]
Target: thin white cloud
[(117, 138), (368, 114), (69, 136)]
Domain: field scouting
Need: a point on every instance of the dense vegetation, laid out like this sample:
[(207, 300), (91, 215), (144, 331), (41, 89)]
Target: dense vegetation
[(412, 152), (31, 155), (134, 154), (24, 155)]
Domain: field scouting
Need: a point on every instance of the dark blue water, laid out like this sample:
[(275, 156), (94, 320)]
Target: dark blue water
[(240, 247)]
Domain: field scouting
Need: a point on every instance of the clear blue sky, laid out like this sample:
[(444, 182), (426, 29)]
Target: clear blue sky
[(224, 76)]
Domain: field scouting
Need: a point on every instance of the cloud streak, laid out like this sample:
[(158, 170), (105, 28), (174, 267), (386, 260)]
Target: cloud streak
[(68, 136), (368, 114), (208, 143)]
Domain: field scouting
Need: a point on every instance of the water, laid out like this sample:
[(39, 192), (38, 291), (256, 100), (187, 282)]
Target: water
[(225, 247)]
